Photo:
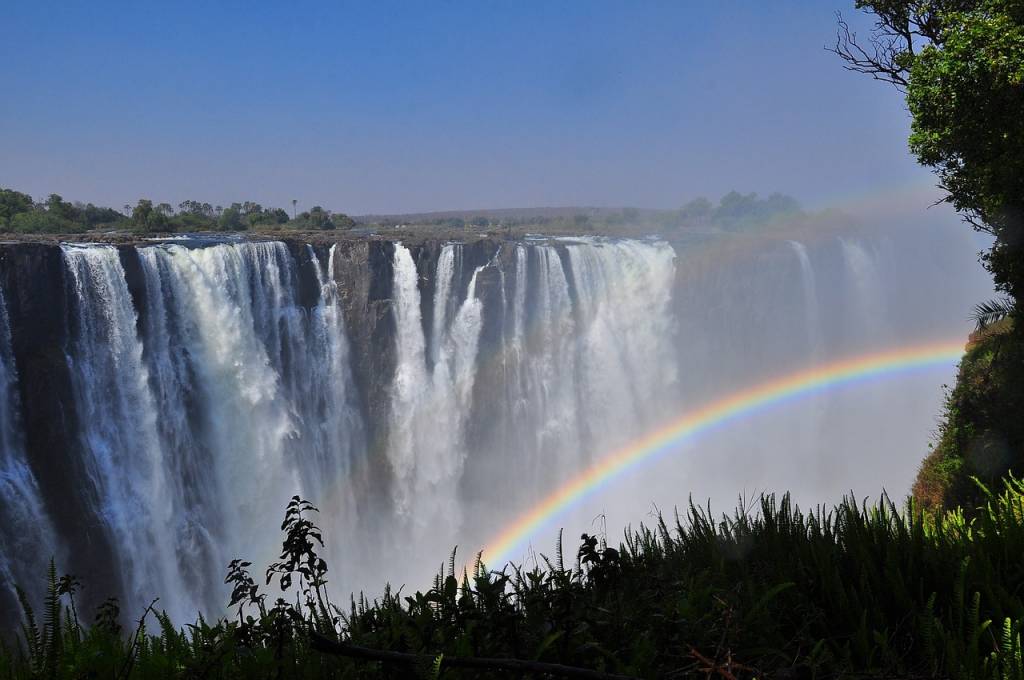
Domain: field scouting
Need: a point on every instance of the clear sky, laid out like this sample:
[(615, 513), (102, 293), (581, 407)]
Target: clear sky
[(397, 107)]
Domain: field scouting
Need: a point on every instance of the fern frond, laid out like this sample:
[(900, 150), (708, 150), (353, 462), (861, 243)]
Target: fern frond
[(51, 623), (33, 638)]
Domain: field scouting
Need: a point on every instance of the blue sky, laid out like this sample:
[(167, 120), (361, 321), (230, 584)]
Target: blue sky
[(389, 107)]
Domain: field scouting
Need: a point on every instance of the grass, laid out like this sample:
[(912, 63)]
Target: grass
[(868, 590)]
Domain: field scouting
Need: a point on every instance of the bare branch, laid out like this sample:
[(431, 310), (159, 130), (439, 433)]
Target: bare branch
[(880, 59)]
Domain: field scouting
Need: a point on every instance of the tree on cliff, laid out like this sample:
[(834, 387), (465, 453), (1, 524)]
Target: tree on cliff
[(960, 64)]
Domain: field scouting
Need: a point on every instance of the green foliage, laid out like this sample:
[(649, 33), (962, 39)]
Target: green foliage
[(12, 203), (319, 219), (966, 94), (231, 219), (41, 222), (342, 221), (853, 590), (991, 312), (19, 214), (982, 433), (961, 65), (147, 218)]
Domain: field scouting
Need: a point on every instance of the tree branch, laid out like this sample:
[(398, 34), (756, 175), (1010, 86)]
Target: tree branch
[(882, 62)]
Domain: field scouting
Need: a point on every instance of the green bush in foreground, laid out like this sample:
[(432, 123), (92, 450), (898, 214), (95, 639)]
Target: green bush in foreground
[(852, 590)]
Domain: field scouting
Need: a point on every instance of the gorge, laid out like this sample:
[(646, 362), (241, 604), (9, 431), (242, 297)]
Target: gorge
[(162, 401)]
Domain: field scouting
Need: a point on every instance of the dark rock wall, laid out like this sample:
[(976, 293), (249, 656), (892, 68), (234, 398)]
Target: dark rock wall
[(37, 292)]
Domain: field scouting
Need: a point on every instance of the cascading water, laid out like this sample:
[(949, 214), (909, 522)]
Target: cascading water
[(810, 302), (259, 391), (424, 394), (25, 530), (430, 401), (587, 359), (128, 480)]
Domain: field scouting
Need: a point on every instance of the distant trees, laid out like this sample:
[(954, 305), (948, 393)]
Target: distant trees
[(195, 208), (698, 210), (148, 218), (320, 219), (91, 216), (342, 221), (269, 216), (41, 221), (231, 219), (734, 211), (738, 211), (19, 213), (12, 203)]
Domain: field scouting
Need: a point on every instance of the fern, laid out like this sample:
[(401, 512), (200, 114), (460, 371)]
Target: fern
[(51, 622), (33, 637)]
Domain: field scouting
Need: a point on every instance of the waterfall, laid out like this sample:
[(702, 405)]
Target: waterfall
[(626, 347), (26, 535), (811, 302), (330, 413), (429, 403), (551, 384), (128, 481), (205, 411), (587, 359), (866, 295), (423, 394)]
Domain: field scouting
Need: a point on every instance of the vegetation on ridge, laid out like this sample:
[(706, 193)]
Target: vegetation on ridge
[(982, 431), (19, 213), (735, 211)]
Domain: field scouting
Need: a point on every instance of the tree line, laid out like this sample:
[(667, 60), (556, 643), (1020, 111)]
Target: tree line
[(734, 211), (19, 213)]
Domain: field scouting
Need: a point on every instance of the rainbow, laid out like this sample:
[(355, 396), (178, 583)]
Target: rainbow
[(746, 402)]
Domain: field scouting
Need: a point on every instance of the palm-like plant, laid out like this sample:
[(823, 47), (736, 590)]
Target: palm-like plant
[(992, 311)]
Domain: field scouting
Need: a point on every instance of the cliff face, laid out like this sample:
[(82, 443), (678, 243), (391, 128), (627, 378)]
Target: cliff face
[(245, 388), (40, 301), (37, 293)]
